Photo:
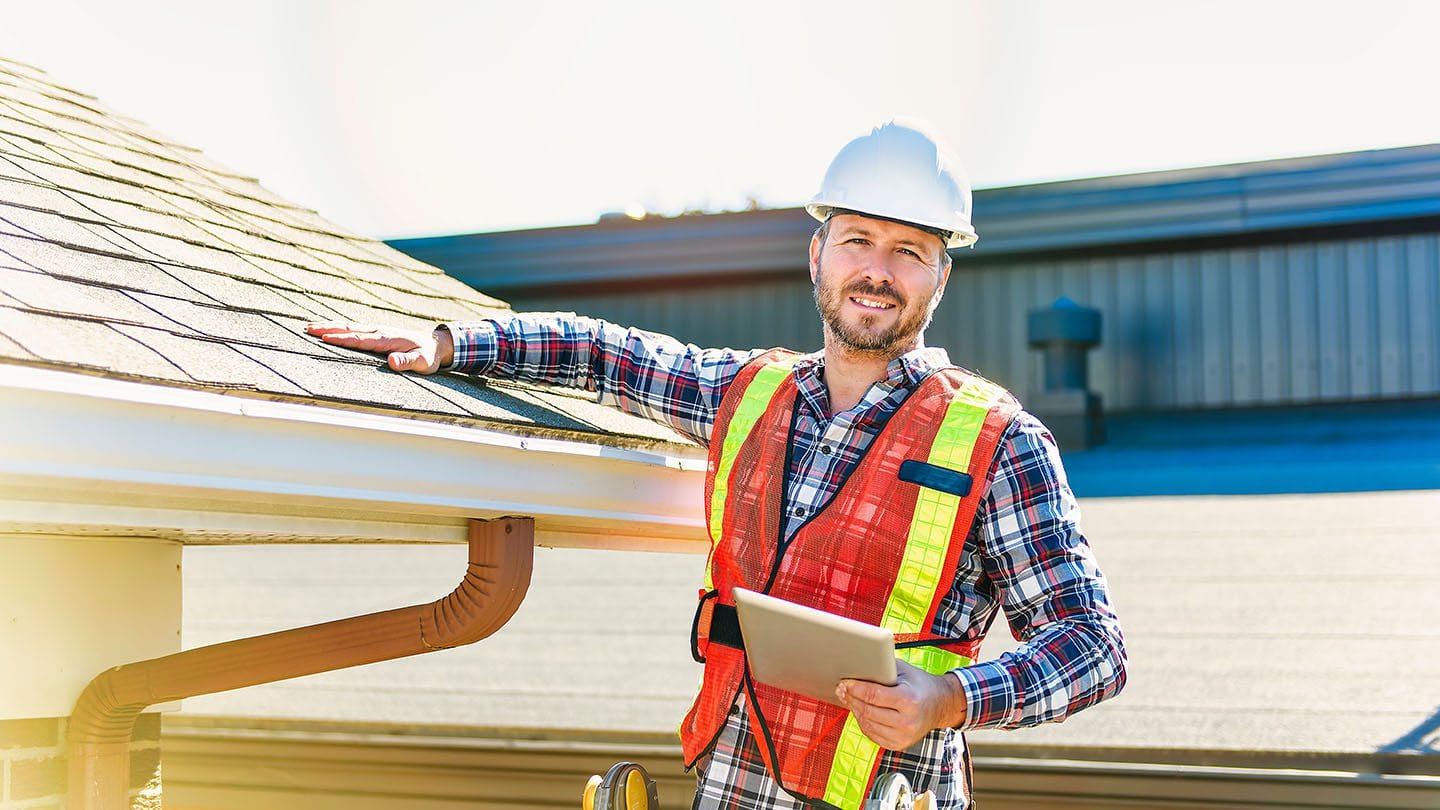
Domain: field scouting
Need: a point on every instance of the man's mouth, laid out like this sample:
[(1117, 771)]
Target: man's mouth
[(871, 303)]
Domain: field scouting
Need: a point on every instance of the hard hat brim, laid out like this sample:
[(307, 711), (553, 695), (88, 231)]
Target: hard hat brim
[(823, 210)]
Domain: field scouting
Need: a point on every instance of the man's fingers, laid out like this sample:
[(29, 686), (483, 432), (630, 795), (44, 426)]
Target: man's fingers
[(889, 715), (867, 692), (411, 360), (321, 328), (885, 727)]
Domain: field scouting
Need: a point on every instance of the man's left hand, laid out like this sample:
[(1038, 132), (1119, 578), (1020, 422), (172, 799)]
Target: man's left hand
[(896, 717)]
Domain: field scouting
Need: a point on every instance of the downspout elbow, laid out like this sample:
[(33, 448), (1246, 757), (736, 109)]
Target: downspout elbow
[(496, 579)]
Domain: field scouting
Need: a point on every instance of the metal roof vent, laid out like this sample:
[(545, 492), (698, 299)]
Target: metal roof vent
[(1064, 332)]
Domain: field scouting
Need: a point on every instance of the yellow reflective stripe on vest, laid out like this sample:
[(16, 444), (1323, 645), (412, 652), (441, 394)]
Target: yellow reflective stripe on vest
[(918, 579), (930, 527), (753, 403), (932, 659), (855, 756)]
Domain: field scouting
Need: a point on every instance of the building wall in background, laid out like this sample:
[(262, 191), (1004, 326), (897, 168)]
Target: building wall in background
[(1284, 282), (1290, 322)]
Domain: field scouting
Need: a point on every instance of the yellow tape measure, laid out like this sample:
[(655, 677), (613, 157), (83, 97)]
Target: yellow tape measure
[(626, 786)]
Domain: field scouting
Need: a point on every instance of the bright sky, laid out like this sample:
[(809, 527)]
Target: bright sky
[(435, 117)]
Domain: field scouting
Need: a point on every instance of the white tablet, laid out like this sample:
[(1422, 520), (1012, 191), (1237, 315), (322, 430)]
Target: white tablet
[(809, 651)]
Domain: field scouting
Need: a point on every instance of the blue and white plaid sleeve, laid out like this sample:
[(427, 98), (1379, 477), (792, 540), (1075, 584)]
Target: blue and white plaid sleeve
[(1051, 589), (642, 373)]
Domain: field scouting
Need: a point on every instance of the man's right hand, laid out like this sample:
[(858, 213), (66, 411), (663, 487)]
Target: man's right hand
[(420, 352)]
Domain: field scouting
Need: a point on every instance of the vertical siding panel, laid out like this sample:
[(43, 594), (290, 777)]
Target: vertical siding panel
[(1304, 308), (736, 309), (694, 310), (986, 291), (1273, 318), (767, 312), (1244, 308), (961, 312), (1184, 308), (971, 299), (953, 323), (1359, 279), (723, 310), (1330, 295), (802, 297), (1213, 330), (772, 315), (656, 311), (1017, 364), (981, 292), (1103, 296), (1124, 336), (1159, 334), (1391, 318), (673, 313), (1422, 270), (966, 302)]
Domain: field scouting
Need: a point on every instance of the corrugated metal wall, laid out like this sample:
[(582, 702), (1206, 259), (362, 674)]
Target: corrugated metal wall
[(1286, 323)]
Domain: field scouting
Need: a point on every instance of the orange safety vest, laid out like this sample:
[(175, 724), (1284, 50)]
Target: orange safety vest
[(884, 551)]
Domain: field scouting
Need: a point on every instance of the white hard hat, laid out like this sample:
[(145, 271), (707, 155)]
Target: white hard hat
[(898, 172)]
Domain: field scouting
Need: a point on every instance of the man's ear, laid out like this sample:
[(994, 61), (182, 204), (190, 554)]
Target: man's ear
[(815, 247)]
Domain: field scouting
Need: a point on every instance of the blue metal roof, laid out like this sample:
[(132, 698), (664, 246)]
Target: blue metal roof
[(1358, 447), (1280, 195)]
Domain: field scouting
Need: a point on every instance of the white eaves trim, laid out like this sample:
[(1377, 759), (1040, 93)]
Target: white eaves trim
[(88, 455)]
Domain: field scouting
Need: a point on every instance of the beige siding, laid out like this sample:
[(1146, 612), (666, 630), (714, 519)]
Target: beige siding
[(228, 769)]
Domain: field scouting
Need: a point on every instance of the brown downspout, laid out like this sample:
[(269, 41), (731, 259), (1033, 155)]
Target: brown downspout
[(498, 574)]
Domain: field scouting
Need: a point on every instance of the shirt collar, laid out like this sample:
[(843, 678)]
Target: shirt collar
[(906, 371)]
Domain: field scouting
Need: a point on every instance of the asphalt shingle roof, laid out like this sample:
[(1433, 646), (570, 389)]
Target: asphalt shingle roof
[(126, 254)]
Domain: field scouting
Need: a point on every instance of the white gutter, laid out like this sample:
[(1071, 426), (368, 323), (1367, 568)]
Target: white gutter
[(88, 455)]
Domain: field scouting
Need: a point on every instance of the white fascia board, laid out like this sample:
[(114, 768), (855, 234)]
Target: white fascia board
[(84, 454)]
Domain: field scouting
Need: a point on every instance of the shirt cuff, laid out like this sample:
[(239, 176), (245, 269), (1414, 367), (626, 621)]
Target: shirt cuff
[(477, 346), (990, 694)]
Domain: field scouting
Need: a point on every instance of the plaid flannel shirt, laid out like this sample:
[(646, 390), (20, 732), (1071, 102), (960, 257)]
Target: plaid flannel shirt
[(1025, 554)]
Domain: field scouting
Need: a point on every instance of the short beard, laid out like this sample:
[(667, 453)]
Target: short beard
[(890, 343)]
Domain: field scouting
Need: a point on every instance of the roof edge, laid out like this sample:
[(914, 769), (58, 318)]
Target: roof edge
[(103, 456)]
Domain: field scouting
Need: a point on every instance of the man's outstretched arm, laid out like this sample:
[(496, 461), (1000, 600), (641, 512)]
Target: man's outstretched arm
[(643, 373)]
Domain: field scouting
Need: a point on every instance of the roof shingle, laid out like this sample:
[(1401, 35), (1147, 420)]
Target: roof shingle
[(126, 254)]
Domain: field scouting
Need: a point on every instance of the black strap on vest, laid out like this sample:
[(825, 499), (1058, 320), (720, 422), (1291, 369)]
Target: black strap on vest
[(724, 627)]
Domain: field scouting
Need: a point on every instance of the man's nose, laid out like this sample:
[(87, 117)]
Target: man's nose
[(877, 269)]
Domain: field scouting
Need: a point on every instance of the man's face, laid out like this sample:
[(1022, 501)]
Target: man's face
[(877, 283)]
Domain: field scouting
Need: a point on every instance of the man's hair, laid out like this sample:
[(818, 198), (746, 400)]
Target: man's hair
[(823, 232)]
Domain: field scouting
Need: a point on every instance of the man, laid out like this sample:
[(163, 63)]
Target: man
[(871, 479)]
